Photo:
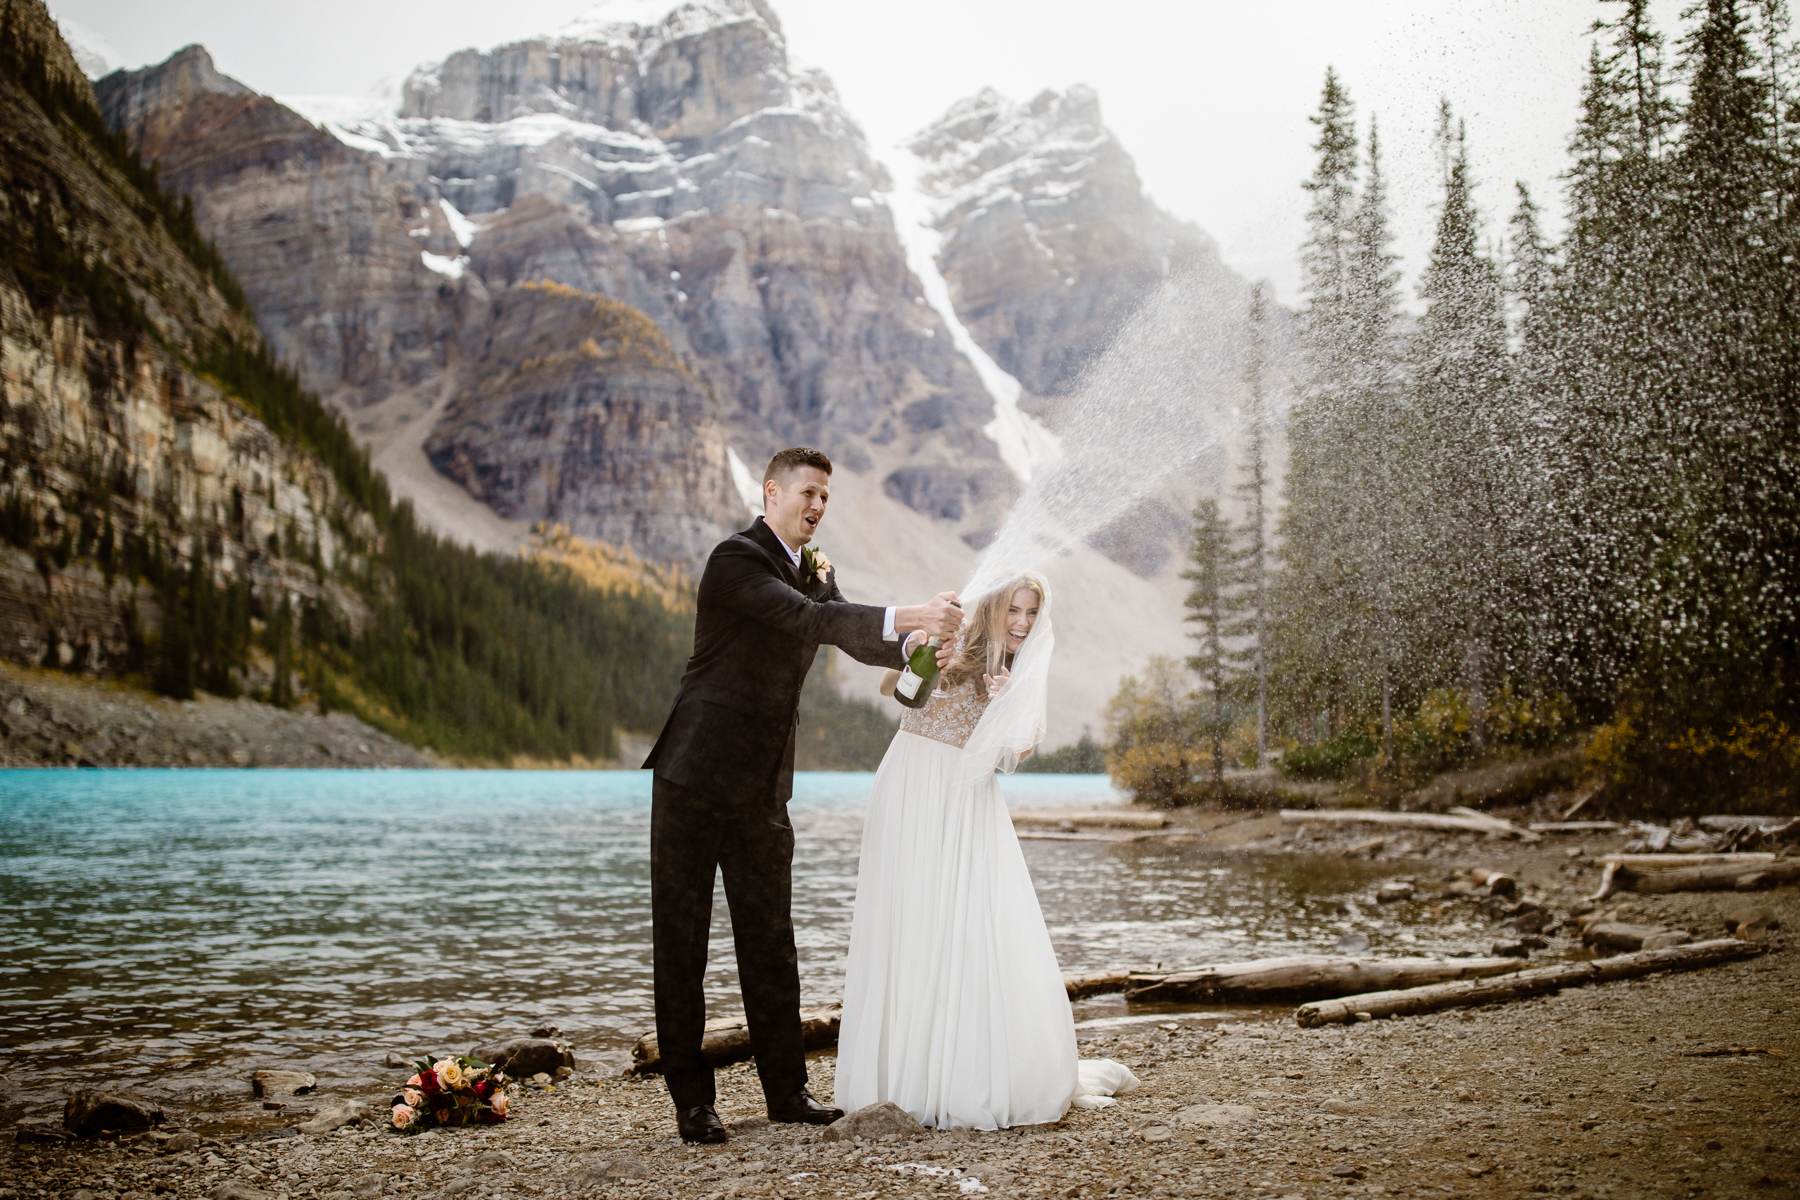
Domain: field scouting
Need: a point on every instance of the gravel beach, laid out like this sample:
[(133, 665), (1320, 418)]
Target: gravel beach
[(1671, 1085)]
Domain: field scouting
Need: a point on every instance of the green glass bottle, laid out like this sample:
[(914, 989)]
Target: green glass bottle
[(914, 685)]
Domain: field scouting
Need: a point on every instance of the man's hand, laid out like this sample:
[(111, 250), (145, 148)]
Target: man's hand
[(941, 616)]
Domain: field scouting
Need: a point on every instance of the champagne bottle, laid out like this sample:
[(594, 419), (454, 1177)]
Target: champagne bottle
[(914, 685)]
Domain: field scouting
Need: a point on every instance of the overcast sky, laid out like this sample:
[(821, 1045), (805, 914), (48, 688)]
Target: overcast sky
[(1211, 98)]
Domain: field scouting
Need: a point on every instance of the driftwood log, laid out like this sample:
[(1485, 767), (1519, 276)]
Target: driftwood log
[(1744, 871), (1717, 877), (1449, 822), (727, 1039), (1675, 860), (1498, 825), (1622, 935), (1089, 818), (1306, 977), (1733, 822), (1534, 982), (1574, 826)]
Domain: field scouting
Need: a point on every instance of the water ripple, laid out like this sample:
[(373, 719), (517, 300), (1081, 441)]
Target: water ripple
[(173, 930)]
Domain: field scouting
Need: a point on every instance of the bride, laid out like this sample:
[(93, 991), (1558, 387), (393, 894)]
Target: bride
[(954, 1006)]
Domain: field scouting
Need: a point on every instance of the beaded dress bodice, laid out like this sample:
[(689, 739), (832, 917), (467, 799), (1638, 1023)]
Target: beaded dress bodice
[(948, 715)]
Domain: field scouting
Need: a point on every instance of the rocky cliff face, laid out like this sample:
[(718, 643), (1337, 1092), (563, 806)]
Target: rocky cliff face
[(315, 231), (700, 177), (1048, 241), (577, 401), (113, 446)]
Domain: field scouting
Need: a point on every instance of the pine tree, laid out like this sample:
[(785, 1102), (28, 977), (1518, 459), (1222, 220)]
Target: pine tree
[(1529, 273), (1312, 618), (1372, 432), (281, 645), (1325, 256), (1637, 61), (1212, 606), (175, 646), (1254, 491), (1460, 432)]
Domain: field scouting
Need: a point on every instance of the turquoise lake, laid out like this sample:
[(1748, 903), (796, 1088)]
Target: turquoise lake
[(173, 930)]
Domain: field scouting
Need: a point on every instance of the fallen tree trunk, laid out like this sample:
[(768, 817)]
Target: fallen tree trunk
[(1745, 822), (1535, 982), (1306, 977), (727, 1039), (1664, 862), (1621, 935), (1448, 822), (1096, 983), (1719, 877), (1497, 824), (1094, 818), (1573, 826)]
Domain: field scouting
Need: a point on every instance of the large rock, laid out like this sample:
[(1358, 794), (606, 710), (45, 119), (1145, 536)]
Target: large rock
[(334, 1116), (275, 1084), (90, 1113), (526, 1057), (1214, 1116), (884, 1120)]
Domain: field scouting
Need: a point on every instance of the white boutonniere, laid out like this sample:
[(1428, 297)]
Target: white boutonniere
[(813, 564)]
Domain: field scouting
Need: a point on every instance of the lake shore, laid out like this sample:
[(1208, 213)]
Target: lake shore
[(50, 719), (1678, 1084)]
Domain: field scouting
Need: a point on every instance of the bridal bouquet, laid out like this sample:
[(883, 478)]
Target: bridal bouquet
[(451, 1091)]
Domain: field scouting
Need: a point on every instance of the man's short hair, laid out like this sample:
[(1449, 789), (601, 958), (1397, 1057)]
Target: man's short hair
[(793, 458)]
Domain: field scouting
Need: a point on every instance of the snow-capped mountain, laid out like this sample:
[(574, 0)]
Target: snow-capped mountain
[(597, 276)]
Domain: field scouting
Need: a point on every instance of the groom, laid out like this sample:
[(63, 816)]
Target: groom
[(724, 769)]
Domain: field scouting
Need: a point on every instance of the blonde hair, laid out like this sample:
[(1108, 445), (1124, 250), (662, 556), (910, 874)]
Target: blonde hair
[(983, 647)]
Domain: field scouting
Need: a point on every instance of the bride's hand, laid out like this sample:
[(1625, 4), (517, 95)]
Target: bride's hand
[(995, 684), (946, 652)]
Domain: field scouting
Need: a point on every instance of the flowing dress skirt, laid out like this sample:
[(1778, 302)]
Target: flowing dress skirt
[(954, 1005)]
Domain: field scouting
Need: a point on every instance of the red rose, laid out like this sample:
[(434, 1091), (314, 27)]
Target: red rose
[(428, 1082), (483, 1088)]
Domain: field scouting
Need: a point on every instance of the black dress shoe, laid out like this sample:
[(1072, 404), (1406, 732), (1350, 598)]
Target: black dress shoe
[(802, 1109), (700, 1124)]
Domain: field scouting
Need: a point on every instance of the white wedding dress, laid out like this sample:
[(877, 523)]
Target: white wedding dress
[(954, 1005)]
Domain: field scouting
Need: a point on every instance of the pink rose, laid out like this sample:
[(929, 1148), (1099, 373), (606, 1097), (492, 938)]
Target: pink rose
[(499, 1103), (404, 1115), (412, 1097)]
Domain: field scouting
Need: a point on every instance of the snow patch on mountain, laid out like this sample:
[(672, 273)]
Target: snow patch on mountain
[(748, 490), (451, 268), (461, 228), (644, 23), (1025, 445)]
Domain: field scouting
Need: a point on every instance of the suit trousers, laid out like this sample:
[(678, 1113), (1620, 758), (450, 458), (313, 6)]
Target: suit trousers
[(693, 837)]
